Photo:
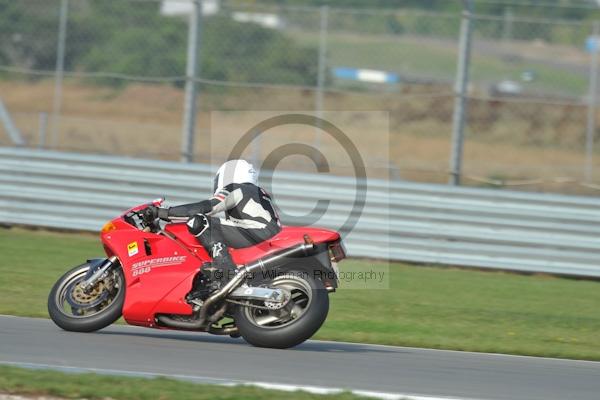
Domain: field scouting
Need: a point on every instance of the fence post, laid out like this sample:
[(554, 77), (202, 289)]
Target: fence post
[(9, 126), (60, 69), (191, 71), (592, 102), (321, 69), (460, 92), (507, 24)]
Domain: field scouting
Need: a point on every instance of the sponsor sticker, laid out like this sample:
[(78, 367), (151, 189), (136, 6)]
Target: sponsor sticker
[(163, 262), (132, 249), (145, 266)]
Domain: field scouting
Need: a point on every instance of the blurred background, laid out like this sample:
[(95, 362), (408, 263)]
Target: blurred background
[(109, 76), (498, 96)]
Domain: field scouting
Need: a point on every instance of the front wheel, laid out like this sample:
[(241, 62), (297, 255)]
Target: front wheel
[(74, 309), (291, 325)]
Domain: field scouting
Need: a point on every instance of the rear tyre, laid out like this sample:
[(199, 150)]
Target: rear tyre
[(281, 329), (72, 309)]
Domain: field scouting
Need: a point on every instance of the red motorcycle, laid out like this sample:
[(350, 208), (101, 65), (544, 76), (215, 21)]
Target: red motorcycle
[(279, 296)]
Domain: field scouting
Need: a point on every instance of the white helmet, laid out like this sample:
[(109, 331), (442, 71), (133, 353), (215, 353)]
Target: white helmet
[(234, 171)]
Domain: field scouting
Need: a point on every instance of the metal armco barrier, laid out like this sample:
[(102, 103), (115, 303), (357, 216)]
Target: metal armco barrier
[(425, 223)]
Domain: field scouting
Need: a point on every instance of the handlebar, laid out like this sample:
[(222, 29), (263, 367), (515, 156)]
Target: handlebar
[(139, 218)]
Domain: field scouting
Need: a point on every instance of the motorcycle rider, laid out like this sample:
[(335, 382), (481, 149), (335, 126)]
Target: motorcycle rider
[(250, 216)]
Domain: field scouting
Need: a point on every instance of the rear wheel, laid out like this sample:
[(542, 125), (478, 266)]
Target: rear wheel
[(74, 309), (291, 325)]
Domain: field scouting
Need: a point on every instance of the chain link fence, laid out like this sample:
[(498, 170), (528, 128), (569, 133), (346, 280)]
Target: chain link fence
[(529, 102), (116, 83)]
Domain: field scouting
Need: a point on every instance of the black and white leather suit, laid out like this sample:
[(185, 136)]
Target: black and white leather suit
[(249, 218)]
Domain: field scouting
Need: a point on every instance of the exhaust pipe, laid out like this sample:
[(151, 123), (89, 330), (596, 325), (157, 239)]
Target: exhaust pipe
[(263, 264)]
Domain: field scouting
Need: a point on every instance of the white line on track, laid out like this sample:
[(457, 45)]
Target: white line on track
[(229, 383)]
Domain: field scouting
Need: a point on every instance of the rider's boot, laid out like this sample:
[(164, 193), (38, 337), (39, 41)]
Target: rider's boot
[(213, 275), (222, 268), (201, 286)]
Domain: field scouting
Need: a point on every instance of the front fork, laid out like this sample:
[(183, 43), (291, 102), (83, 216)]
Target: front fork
[(98, 269)]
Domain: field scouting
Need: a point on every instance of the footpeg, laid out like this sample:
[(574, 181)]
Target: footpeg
[(196, 302)]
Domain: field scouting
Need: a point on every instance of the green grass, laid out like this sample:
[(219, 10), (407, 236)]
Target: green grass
[(412, 57), (92, 386), (432, 307)]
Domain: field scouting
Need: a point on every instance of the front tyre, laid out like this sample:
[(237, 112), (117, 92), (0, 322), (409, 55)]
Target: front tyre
[(72, 309), (292, 325)]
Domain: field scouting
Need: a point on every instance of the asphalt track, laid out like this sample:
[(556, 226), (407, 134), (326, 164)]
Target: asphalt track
[(207, 358)]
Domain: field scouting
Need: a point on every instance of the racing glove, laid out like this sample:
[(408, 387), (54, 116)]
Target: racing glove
[(152, 212)]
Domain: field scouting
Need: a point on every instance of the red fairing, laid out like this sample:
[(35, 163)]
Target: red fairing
[(159, 270), (158, 273), (289, 236)]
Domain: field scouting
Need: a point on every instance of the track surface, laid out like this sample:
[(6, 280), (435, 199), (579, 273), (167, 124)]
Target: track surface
[(328, 364)]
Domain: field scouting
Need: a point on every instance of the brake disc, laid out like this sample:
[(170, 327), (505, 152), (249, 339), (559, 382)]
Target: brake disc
[(79, 299)]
